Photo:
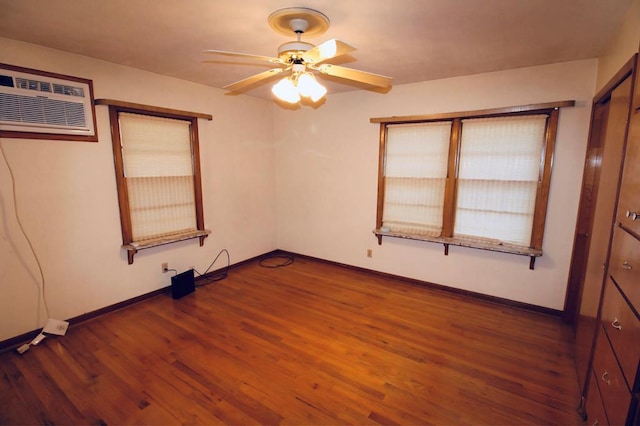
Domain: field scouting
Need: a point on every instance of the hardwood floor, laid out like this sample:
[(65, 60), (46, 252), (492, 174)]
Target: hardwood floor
[(309, 343)]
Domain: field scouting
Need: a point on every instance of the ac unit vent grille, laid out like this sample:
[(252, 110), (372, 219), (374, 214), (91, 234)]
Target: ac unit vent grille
[(40, 110)]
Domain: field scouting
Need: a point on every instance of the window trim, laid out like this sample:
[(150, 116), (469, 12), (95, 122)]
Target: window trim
[(115, 108), (544, 180)]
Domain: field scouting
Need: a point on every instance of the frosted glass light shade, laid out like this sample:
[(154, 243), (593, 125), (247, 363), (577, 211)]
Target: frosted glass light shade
[(318, 92), (305, 84), (286, 91), (291, 88), (309, 87)]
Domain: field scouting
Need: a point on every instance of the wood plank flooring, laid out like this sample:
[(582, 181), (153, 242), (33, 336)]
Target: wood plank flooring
[(309, 343)]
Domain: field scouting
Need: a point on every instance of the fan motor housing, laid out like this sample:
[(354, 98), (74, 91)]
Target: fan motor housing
[(293, 50)]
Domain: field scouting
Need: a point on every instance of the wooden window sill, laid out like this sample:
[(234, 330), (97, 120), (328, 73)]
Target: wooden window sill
[(133, 247), (447, 241)]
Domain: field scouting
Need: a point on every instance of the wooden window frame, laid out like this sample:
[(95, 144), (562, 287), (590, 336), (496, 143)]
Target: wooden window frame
[(544, 179), (128, 243)]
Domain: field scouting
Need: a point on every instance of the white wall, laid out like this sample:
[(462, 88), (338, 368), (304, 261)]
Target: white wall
[(67, 202), (326, 180), (621, 47)]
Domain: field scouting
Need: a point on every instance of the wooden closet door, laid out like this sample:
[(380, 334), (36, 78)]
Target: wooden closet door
[(604, 158)]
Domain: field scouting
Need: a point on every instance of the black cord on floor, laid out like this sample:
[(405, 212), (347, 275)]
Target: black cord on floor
[(287, 260), (220, 276)]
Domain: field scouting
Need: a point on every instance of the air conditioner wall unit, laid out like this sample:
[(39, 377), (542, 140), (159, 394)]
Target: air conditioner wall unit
[(40, 105)]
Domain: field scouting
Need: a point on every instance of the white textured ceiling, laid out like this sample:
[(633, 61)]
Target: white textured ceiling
[(409, 40)]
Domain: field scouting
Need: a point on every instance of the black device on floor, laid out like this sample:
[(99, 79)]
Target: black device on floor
[(182, 284)]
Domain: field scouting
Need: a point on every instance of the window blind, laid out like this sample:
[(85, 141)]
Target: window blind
[(158, 169), (415, 176), (498, 178)]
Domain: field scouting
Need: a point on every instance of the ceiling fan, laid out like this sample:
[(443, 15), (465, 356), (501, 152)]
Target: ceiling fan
[(302, 59)]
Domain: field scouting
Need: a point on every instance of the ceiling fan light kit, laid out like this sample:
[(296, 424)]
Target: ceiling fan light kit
[(309, 87), (286, 91), (291, 89), (301, 59)]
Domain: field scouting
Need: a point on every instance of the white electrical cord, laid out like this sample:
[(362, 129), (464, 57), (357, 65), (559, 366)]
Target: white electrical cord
[(41, 286)]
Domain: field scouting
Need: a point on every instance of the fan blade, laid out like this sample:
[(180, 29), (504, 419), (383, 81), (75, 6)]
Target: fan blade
[(244, 55), (238, 85), (356, 75), (327, 50)]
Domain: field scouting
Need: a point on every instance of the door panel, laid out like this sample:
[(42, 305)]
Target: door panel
[(605, 158)]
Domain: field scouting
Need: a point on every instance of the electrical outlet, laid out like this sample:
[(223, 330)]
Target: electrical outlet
[(165, 267), (369, 253)]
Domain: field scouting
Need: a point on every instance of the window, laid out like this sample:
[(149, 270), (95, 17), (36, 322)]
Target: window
[(415, 176), (477, 179), (156, 157)]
